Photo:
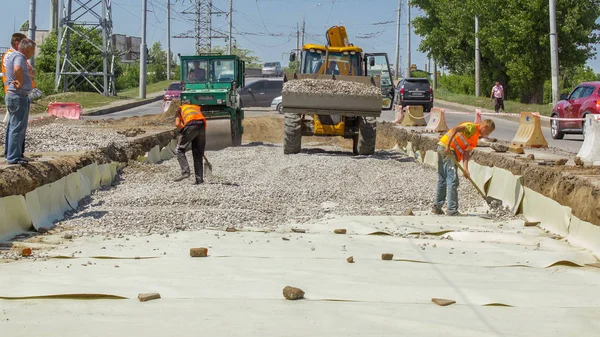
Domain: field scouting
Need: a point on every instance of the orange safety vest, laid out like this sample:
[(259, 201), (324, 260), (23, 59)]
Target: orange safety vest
[(188, 113), (10, 50), (461, 144)]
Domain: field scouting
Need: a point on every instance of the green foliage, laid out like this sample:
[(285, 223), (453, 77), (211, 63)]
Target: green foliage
[(459, 84), (252, 61), (292, 67), (130, 77), (419, 74), (514, 41)]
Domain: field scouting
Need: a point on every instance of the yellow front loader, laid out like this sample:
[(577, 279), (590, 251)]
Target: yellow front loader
[(330, 114)]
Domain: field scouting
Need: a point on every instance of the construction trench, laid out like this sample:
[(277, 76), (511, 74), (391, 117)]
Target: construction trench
[(97, 217)]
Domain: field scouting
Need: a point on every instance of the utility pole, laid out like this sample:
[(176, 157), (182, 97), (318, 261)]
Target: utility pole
[(303, 30), (168, 40), (230, 24), (53, 14), (477, 59), (408, 40), (435, 83), (397, 63), (554, 52), (32, 23), (143, 53)]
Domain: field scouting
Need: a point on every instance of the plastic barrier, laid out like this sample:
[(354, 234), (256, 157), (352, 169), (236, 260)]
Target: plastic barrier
[(399, 114), (106, 176), (480, 174), (15, 217), (166, 153), (589, 152), (529, 133), (70, 110), (437, 120), (92, 173), (153, 156), (166, 105), (431, 159), (414, 116)]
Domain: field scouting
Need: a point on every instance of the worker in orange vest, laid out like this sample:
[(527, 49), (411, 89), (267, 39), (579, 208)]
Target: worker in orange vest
[(192, 127), (455, 146)]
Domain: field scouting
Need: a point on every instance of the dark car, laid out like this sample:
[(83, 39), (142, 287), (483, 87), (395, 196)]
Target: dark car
[(261, 92), (583, 100), (415, 91), (173, 92)]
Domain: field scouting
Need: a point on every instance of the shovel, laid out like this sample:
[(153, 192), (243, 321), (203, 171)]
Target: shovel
[(492, 202), (207, 166)]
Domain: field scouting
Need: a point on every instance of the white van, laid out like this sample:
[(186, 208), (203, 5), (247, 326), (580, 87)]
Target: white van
[(272, 69)]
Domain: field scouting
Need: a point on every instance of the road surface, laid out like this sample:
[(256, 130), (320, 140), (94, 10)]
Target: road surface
[(506, 127)]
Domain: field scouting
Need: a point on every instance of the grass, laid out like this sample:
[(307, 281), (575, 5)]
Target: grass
[(90, 100), (484, 102)]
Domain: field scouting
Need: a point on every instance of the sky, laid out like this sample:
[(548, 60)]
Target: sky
[(267, 27)]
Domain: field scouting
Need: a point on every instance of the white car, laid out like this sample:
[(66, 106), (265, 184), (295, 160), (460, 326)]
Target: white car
[(276, 105)]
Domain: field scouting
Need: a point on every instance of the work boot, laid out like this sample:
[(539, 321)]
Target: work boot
[(198, 182), (181, 177), (454, 213), (437, 210)]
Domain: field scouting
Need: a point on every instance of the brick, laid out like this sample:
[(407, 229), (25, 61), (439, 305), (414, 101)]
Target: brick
[(340, 231), (25, 252), (145, 297), (199, 252), (231, 229), (292, 293), (387, 256), (442, 302)]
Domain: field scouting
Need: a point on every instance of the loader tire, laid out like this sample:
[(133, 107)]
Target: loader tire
[(367, 135), (292, 136)]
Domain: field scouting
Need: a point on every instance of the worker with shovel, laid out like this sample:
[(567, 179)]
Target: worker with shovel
[(192, 127), (455, 145)]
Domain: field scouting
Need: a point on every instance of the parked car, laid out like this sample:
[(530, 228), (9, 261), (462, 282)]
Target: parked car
[(272, 69), (276, 105), (260, 93), (173, 92), (583, 100), (415, 91)]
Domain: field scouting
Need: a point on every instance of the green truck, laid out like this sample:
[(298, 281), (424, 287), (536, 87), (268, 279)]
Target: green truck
[(212, 82)]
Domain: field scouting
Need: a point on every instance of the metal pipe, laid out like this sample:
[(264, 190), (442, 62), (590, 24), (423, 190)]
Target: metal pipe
[(143, 52)]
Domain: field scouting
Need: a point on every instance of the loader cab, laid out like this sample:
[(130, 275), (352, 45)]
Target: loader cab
[(340, 61)]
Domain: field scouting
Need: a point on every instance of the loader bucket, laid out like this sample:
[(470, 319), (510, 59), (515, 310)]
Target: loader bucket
[(329, 103)]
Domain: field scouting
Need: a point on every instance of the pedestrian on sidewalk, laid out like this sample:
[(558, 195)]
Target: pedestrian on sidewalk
[(17, 100), (192, 127), (453, 147), (498, 96)]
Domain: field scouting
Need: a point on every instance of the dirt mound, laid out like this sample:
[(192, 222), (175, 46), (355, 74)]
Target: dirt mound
[(269, 129)]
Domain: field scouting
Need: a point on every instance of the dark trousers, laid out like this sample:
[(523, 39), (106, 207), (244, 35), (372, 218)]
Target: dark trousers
[(192, 135), (498, 104)]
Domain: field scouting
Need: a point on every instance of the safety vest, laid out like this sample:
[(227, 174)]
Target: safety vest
[(190, 112), (461, 144), (10, 50)]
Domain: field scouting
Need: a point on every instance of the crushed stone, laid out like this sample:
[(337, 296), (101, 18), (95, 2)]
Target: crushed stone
[(328, 86)]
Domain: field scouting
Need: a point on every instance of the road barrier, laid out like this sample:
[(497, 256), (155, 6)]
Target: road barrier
[(70, 110), (529, 133), (437, 121), (478, 116), (590, 149), (414, 116)]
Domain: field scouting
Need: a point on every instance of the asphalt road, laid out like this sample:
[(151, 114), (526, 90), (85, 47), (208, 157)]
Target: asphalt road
[(155, 108), (506, 127)]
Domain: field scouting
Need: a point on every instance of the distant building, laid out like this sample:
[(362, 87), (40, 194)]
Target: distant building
[(127, 47)]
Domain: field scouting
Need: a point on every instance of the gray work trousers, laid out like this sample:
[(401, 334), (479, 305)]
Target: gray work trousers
[(192, 135)]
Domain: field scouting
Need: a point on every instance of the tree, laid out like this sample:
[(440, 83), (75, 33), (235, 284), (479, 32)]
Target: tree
[(292, 67), (252, 61), (157, 58), (514, 41)]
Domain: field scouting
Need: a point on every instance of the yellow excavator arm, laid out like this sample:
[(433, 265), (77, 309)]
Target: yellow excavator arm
[(337, 37)]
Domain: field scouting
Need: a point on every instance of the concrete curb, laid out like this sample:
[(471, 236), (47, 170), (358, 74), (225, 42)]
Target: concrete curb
[(113, 109)]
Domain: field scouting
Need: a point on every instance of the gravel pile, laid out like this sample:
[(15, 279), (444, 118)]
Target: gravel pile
[(334, 87), (258, 186), (57, 137)]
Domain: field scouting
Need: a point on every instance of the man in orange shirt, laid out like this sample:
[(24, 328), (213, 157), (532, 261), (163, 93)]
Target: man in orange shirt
[(192, 125), (457, 143)]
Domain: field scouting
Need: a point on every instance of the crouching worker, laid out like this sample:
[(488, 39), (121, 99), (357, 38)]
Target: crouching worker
[(192, 127), (455, 146)]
